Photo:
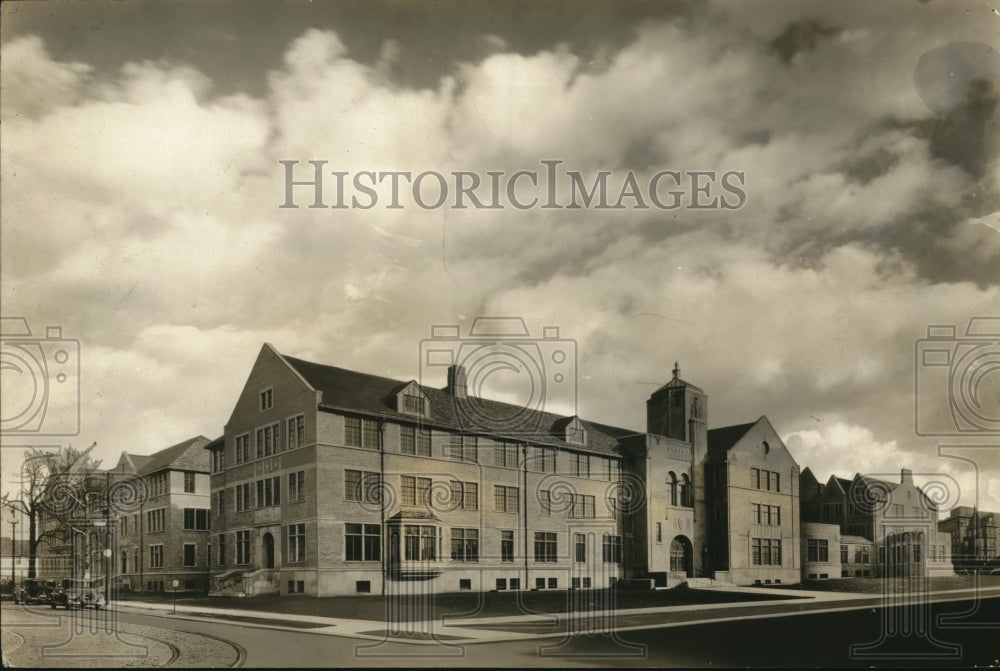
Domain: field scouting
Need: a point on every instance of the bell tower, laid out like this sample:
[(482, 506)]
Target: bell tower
[(679, 410)]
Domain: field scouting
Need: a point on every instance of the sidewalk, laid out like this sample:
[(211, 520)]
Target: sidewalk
[(471, 629)]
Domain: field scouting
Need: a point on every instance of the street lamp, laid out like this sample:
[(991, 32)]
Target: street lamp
[(13, 537)]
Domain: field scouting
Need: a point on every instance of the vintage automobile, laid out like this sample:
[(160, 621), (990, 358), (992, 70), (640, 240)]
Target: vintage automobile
[(34, 590), (78, 593)]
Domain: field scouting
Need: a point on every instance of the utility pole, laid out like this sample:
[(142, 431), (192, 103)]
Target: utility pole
[(13, 540)]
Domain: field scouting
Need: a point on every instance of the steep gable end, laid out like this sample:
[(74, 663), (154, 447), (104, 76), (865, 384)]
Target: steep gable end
[(270, 370)]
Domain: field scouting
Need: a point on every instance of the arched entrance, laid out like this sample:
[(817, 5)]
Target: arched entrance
[(681, 556), (267, 554)]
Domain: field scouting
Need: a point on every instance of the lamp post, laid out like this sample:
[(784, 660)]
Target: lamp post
[(13, 539)]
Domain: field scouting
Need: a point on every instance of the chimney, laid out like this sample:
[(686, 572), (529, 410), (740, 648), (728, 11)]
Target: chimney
[(456, 381), (906, 476)]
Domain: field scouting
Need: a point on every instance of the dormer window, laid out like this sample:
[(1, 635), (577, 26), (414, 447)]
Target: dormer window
[(266, 399), (411, 400), (575, 433)]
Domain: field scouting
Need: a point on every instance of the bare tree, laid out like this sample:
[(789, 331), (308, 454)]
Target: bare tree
[(54, 486)]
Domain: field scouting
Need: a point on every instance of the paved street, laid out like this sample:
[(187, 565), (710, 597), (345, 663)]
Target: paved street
[(960, 632)]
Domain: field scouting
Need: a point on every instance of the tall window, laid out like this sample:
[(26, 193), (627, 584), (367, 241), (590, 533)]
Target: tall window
[(420, 542), (505, 499), (861, 555), (581, 465), (188, 483), (672, 487), (580, 547), (766, 551), (296, 542), (156, 520), (218, 460), (611, 549), (465, 544), (413, 403), (243, 497), (361, 432), (678, 556), (155, 556), (196, 519), (464, 495), (505, 455), (545, 546), (296, 432), (268, 440), (222, 550), (614, 470), (685, 491), (364, 486), (243, 547), (844, 555), (362, 542), (297, 486), (266, 399), (545, 501), (818, 549), (269, 492), (766, 480), (414, 441), (543, 460), (189, 554), (243, 448), (461, 447), (507, 545), (415, 491), (583, 505)]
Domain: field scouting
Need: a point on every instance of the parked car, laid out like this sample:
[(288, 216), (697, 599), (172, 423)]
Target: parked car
[(78, 593), (995, 571), (34, 590)]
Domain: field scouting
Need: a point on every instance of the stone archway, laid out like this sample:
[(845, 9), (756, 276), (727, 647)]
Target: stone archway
[(681, 556)]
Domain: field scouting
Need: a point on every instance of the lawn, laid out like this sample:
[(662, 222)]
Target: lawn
[(490, 604), (899, 585)]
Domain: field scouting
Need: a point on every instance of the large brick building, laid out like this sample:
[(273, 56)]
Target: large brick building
[(973, 535), (329, 481)]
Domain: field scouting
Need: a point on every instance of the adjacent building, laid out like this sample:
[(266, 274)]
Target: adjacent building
[(973, 535)]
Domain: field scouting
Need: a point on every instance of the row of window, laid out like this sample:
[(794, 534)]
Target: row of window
[(268, 441), (268, 492), (765, 514), (679, 490), (766, 480), (765, 551), (862, 555)]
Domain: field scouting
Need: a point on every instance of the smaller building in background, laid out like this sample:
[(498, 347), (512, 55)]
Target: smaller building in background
[(973, 535), (857, 557)]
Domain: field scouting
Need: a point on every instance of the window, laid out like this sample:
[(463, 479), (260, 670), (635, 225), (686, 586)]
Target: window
[(196, 519), (188, 483), (296, 432), (685, 491), (818, 549), (222, 549), (156, 520), (363, 586), (269, 492), (545, 546), (766, 480), (465, 544), (158, 484), (765, 514), (614, 470), (507, 546), (220, 499), (363, 486), (414, 441), (755, 513), (916, 553), (897, 510), (415, 491), (362, 542), (267, 440), (266, 399), (659, 532), (539, 583), (243, 448), (189, 554), (296, 586), (583, 505), (614, 509), (360, 432), (580, 543), (515, 583), (243, 547), (413, 403), (767, 551), (501, 584), (545, 501), (420, 542), (464, 583), (672, 487), (218, 460), (844, 555), (243, 497), (505, 455), (678, 559), (155, 556), (861, 555), (543, 460), (581, 465), (505, 499), (296, 542), (553, 583), (297, 486), (464, 495), (461, 447), (611, 548)]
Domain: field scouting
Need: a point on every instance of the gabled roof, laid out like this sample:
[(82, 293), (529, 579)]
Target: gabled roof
[(723, 438), (177, 456), (854, 539), (344, 389), (130, 463)]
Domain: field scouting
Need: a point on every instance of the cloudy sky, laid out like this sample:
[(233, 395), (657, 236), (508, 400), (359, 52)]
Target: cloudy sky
[(141, 187)]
